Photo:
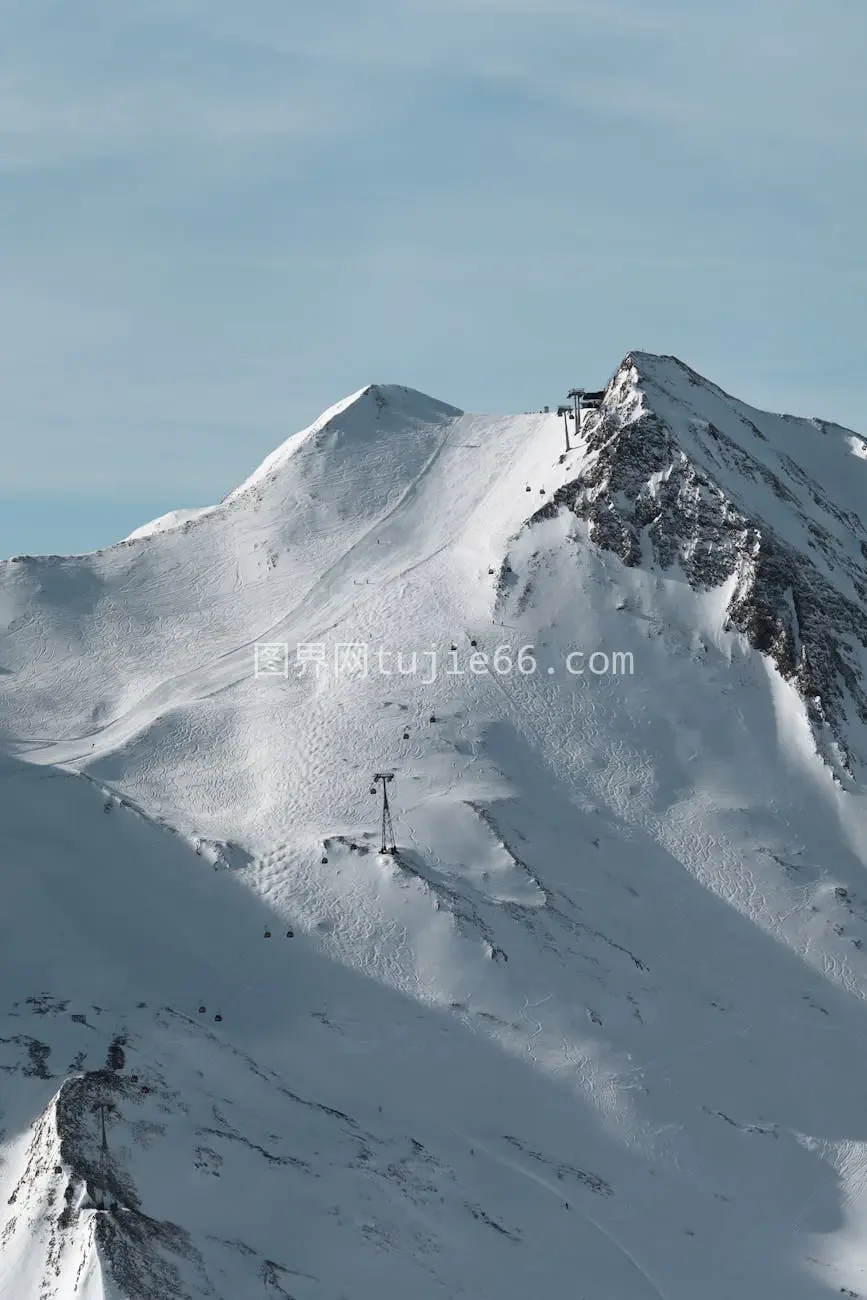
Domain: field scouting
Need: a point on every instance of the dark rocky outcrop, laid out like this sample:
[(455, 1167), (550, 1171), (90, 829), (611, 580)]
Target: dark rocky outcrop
[(650, 495)]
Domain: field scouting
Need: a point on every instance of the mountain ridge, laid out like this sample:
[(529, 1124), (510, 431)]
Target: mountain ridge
[(650, 482), (597, 1026)]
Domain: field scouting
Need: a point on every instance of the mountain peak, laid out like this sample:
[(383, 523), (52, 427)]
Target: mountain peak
[(683, 478), (360, 417)]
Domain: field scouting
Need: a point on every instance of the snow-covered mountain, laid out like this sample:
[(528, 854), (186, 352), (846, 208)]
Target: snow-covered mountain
[(598, 1027)]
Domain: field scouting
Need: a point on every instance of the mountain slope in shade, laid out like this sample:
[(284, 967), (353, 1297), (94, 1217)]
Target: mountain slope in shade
[(598, 1028)]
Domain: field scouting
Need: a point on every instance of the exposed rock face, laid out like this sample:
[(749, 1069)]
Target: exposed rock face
[(681, 476), (137, 1247), (83, 1200)]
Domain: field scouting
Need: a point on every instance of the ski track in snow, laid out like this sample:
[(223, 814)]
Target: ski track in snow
[(514, 1167)]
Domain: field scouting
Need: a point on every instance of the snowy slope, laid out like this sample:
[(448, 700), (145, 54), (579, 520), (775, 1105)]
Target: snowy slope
[(599, 1027)]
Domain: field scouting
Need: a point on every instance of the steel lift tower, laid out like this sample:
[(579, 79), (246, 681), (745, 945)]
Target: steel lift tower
[(383, 779)]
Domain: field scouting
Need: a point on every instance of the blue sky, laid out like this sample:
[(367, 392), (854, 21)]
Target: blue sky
[(217, 219)]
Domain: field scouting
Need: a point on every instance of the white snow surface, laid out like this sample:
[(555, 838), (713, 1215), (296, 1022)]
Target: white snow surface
[(598, 1030), (173, 519)]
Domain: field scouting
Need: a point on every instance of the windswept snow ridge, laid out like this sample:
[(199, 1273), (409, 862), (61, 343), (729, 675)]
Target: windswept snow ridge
[(174, 519), (597, 1028)]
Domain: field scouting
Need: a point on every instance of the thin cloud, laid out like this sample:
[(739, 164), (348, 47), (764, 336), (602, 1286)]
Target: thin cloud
[(70, 123), (217, 220)]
